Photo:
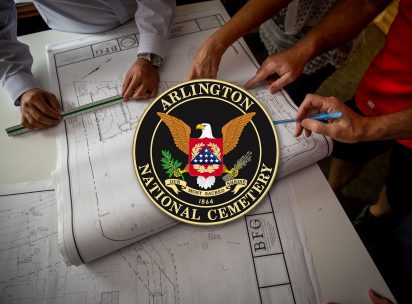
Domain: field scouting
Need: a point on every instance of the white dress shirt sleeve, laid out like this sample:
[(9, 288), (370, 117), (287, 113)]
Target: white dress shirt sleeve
[(154, 19), (15, 58)]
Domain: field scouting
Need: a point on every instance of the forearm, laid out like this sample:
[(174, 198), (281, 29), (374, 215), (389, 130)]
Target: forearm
[(345, 20), (154, 20), (252, 14), (15, 58), (394, 126)]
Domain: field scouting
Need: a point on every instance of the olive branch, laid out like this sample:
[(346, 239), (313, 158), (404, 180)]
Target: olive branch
[(170, 165)]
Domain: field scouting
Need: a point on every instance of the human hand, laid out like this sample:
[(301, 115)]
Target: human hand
[(39, 109), (350, 128), (207, 60), (278, 70), (375, 298), (141, 81)]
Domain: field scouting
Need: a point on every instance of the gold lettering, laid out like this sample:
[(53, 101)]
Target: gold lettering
[(209, 214), (169, 201), (175, 207), (145, 169), (265, 168), (159, 195), (147, 180), (156, 186), (236, 96), (248, 102), (165, 104), (214, 91), (263, 178), (185, 213), (183, 92), (222, 212), (174, 96), (233, 209), (226, 90), (203, 87), (195, 216), (250, 195), (243, 202), (257, 187), (193, 90)]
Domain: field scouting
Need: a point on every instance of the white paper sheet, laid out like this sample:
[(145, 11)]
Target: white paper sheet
[(255, 259), (101, 205)]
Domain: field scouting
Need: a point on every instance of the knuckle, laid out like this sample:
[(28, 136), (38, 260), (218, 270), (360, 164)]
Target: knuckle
[(288, 79), (29, 120), (334, 99), (36, 116)]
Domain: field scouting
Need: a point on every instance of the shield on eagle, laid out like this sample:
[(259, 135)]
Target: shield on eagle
[(206, 147), (205, 157)]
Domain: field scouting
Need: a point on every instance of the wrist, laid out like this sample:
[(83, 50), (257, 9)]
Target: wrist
[(217, 45), (29, 93), (151, 58), (301, 54), (368, 129), (306, 49)]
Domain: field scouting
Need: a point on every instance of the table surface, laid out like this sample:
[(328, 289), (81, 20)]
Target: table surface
[(344, 269)]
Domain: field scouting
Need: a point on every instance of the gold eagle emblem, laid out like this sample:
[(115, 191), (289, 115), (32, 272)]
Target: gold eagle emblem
[(231, 133)]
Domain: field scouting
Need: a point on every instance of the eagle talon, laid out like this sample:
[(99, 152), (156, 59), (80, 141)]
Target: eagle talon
[(234, 172), (178, 172)]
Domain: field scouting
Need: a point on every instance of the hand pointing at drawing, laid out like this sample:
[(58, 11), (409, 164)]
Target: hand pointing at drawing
[(141, 80), (279, 69)]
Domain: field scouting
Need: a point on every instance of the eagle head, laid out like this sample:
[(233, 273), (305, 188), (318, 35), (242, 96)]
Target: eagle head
[(206, 130)]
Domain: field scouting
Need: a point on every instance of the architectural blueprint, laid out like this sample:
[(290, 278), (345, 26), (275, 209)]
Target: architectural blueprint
[(101, 206), (255, 259)]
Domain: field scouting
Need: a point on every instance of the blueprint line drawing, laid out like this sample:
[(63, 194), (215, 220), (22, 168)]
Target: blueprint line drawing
[(118, 44), (245, 261), (112, 121), (98, 193)]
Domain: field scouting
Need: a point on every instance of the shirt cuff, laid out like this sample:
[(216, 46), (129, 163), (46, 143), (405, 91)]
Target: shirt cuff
[(17, 84), (152, 43)]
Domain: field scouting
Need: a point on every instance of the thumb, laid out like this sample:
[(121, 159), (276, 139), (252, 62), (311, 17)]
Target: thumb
[(315, 126)]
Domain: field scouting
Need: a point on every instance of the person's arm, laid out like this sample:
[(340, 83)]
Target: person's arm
[(153, 19), (344, 21), (252, 14), (39, 108), (351, 127)]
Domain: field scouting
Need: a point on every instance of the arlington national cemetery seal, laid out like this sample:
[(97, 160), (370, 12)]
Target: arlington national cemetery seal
[(205, 152)]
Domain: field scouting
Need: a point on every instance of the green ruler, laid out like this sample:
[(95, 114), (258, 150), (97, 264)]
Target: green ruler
[(90, 107)]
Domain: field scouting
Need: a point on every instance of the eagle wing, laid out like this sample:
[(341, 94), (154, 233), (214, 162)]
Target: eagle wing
[(233, 129), (179, 130)]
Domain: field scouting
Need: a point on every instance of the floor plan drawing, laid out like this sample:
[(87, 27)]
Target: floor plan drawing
[(155, 269), (245, 261), (115, 120), (95, 174), (31, 267), (111, 121)]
